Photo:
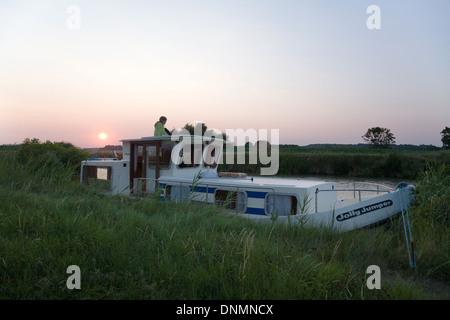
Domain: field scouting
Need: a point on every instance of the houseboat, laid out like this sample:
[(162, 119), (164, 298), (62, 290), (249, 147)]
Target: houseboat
[(184, 168)]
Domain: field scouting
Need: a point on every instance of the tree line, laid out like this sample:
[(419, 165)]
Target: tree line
[(378, 137)]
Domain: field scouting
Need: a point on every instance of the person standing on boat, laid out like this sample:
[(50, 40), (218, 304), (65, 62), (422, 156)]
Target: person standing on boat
[(159, 127)]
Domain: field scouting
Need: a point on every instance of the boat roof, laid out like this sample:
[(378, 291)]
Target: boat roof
[(288, 182), (253, 182), (175, 138)]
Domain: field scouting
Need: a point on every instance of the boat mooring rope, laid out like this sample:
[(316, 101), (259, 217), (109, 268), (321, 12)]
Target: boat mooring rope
[(407, 226)]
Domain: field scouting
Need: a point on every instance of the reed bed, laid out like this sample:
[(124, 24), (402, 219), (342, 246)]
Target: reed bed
[(348, 162)]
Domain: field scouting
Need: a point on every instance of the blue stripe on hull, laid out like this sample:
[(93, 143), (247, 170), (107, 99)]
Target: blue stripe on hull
[(196, 189), (258, 211), (256, 194), (250, 194), (203, 189)]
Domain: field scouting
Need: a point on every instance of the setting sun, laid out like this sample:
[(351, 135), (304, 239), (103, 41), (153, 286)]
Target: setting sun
[(103, 136)]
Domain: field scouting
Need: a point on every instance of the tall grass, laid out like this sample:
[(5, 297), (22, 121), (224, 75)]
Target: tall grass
[(129, 248), (432, 221)]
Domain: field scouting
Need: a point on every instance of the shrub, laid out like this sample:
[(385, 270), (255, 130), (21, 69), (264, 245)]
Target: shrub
[(50, 157)]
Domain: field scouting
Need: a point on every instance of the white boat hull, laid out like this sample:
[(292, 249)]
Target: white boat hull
[(358, 215)]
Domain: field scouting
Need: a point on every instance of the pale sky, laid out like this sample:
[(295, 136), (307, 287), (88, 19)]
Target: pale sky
[(70, 70)]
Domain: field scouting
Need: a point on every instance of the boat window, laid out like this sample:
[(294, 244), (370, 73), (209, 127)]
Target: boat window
[(280, 204), (177, 192), (165, 153), (191, 156), (234, 200), (97, 175)]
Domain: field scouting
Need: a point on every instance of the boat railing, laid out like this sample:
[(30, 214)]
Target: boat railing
[(101, 159), (379, 189)]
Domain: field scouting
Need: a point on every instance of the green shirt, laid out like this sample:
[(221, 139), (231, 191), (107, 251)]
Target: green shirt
[(159, 129)]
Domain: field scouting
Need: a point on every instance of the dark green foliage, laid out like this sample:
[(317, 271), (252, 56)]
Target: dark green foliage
[(445, 138), (49, 157), (379, 137), (433, 194), (431, 221), (343, 162)]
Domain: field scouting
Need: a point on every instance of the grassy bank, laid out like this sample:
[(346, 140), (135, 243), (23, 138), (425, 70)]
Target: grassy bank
[(146, 249)]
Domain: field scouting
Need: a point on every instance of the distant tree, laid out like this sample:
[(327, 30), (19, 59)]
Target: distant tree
[(379, 137), (195, 128), (445, 138)]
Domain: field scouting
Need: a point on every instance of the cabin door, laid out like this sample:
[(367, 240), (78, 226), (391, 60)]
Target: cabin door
[(144, 169), (151, 167)]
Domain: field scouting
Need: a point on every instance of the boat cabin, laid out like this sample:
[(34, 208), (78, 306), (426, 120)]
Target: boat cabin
[(149, 158), (183, 167)]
